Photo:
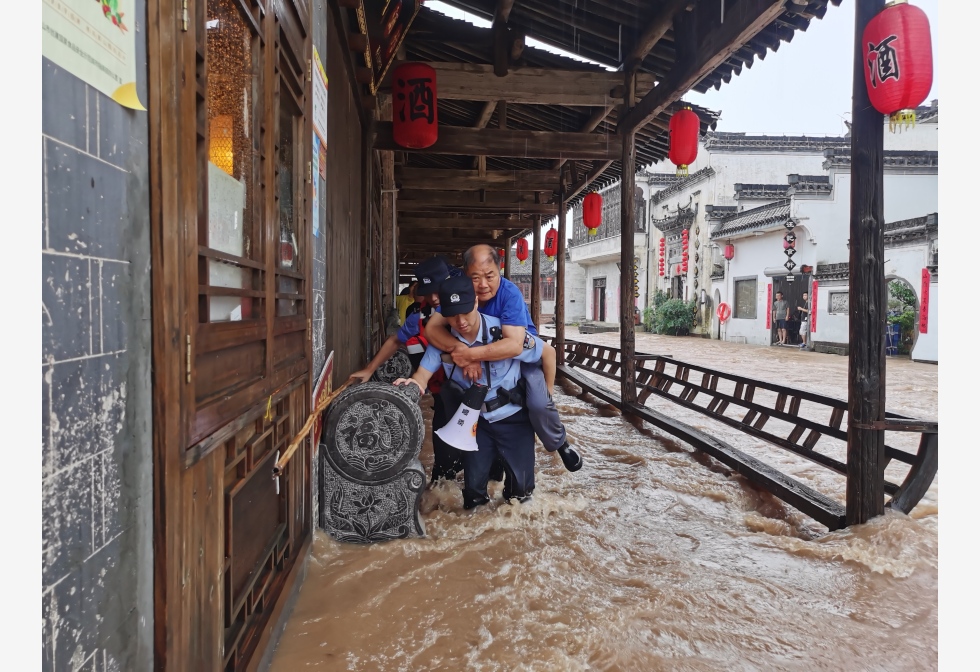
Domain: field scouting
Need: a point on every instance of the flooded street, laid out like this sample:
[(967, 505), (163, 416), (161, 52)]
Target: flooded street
[(649, 558)]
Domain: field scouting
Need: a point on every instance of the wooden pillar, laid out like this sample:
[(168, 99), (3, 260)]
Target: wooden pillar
[(866, 356), (560, 280), (508, 242), (627, 214), (536, 273)]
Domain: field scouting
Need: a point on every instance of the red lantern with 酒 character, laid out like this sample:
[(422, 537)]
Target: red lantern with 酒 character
[(898, 61), (592, 212), (683, 134), (729, 252), (521, 253), (551, 244), (415, 120)]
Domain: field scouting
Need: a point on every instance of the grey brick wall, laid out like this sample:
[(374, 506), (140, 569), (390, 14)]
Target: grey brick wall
[(96, 555)]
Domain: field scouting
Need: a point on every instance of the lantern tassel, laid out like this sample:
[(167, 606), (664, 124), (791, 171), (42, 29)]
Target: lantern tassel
[(592, 232), (682, 170), (903, 120)]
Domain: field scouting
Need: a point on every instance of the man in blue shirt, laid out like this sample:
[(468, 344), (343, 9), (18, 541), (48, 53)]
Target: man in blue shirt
[(504, 428), (500, 298)]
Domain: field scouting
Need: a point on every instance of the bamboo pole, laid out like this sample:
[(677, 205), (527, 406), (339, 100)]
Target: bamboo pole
[(287, 454)]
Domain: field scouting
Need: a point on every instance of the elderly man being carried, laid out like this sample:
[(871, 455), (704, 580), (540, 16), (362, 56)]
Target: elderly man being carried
[(503, 429), (501, 299)]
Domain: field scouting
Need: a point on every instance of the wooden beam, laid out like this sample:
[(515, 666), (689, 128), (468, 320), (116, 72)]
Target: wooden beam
[(444, 221), (865, 494), (627, 186), (478, 208), (509, 244), (597, 170), (451, 179), (472, 197), (560, 280), (501, 48), (742, 22), (597, 117), (536, 273), (653, 32), (484, 117), (532, 86), (513, 143)]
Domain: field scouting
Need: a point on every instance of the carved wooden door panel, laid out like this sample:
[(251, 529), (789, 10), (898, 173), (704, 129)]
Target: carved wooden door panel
[(230, 143)]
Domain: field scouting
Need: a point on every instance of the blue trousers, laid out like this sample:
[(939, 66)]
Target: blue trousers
[(541, 407), (511, 439)]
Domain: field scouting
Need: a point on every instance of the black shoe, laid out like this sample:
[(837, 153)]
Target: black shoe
[(572, 460)]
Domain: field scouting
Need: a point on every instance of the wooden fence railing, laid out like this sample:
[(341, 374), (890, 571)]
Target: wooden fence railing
[(788, 418)]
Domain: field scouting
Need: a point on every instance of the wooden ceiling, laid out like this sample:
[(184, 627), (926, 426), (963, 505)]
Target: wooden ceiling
[(520, 127)]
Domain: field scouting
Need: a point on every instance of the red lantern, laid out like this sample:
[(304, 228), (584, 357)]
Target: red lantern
[(415, 121), (521, 250), (551, 244), (683, 134), (729, 252), (898, 61), (592, 212)]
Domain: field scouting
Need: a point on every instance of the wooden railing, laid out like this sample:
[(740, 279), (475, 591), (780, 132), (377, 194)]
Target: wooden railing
[(748, 405)]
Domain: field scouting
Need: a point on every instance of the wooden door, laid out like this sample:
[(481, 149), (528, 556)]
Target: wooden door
[(229, 126), (792, 294)]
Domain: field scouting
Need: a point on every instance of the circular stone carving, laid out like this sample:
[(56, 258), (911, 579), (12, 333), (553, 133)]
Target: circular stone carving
[(397, 366), (373, 430)]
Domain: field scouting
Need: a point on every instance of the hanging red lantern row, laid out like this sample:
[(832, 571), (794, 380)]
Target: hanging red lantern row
[(415, 119), (663, 255), (683, 139), (521, 253), (501, 258), (592, 212), (684, 248), (729, 252), (898, 57), (551, 244)]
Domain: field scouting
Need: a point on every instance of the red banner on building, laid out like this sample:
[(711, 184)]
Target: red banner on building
[(924, 302), (813, 308), (769, 307)]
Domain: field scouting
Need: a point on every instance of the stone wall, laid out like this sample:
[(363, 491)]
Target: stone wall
[(97, 497)]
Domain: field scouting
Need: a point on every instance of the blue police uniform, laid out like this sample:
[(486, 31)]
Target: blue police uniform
[(508, 306), (504, 428)]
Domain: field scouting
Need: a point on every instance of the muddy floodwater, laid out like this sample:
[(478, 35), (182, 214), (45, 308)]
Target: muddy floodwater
[(651, 557)]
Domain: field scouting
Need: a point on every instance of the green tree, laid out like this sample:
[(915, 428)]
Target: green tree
[(901, 312), (674, 317)]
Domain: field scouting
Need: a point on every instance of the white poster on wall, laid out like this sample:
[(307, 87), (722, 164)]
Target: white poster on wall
[(96, 42)]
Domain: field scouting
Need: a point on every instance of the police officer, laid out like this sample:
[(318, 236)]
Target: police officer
[(504, 427), (500, 298), (429, 274)]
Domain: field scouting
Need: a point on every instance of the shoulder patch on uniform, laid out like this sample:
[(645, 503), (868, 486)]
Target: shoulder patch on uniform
[(528, 341)]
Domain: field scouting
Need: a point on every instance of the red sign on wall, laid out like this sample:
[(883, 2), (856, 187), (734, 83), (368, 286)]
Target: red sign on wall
[(924, 302), (813, 308), (769, 307)]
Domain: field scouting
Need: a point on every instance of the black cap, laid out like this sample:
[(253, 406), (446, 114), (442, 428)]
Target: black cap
[(430, 274), (456, 296)]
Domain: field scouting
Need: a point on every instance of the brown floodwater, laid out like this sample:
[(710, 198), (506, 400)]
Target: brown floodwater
[(651, 557)]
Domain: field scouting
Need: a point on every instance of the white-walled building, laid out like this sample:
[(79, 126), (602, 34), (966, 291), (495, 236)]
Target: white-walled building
[(744, 190), (599, 257)]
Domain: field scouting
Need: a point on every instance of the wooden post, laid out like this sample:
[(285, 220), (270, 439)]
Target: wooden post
[(626, 252), (560, 280), (508, 242), (536, 274), (866, 357)]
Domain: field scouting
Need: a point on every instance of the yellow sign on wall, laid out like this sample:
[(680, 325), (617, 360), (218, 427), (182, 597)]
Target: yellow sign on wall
[(95, 40)]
